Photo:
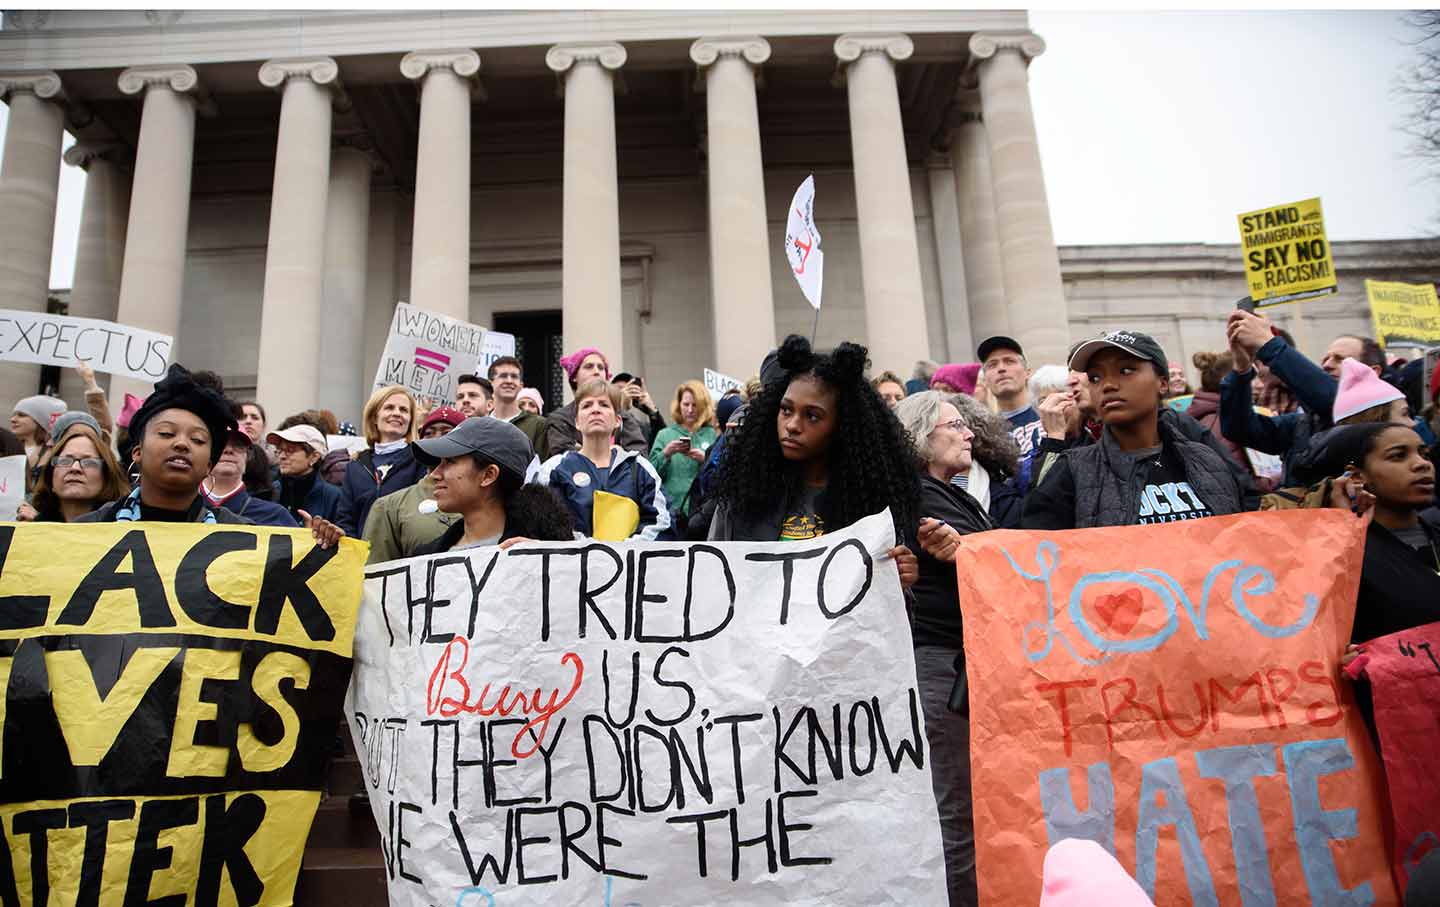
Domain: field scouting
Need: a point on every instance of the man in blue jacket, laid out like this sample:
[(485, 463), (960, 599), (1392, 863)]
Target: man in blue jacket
[(1286, 436)]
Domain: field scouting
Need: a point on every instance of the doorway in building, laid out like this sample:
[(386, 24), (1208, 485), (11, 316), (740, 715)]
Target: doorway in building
[(538, 346)]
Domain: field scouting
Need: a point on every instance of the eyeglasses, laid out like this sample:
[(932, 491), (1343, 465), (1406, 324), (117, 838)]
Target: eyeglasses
[(66, 461), (953, 425)]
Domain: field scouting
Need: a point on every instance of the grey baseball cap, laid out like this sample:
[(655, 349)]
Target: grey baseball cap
[(500, 442)]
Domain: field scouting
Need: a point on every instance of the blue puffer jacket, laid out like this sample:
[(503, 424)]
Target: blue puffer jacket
[(630, 475), (1288, 435), (363, 485)]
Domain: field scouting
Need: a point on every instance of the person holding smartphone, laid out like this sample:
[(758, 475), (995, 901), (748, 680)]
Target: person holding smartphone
[(680, 449), (634, 396)]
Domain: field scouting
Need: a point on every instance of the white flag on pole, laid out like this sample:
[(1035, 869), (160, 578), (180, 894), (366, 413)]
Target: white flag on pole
[(802, 243)]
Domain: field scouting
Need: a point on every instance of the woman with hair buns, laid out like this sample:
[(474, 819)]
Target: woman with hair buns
[(1205, 408), (818, 451)]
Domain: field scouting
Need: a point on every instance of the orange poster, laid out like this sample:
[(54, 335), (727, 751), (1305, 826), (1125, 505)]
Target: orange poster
[(1173, 692)]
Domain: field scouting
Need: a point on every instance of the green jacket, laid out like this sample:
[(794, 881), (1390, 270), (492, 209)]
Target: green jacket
[(396, 526), (677, 472)]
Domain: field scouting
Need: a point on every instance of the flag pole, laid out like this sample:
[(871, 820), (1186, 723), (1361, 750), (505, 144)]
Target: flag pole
[(814, 330)]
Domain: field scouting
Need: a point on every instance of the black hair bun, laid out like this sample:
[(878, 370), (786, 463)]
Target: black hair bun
[(795, 354), (850, 360)]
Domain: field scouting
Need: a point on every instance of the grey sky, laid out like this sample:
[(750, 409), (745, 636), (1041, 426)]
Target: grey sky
[(1161, 127)]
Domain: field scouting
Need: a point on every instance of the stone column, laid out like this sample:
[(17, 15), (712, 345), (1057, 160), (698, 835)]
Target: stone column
[(288, 373), (343, 372), (979, 237), (590, 271), (152, 279), (440, 251), (29, 185), (895, 327), (100, 253), (1028, 256), (950, 263), (742, 304)]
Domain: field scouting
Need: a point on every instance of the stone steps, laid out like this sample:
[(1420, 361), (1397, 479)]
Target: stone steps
[(343, 863)]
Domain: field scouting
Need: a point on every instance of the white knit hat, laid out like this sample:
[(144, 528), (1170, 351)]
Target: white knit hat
[(44, 410)]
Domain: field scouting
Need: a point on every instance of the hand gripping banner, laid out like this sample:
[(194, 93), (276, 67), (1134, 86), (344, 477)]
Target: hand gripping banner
[(1173, 693), (171, 695)]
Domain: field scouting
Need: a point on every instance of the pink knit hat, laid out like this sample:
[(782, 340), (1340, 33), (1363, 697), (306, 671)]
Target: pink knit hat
[(1080, 873), (961, 377), (571, 363), (128, 410), (533, 394), (1360, 389)]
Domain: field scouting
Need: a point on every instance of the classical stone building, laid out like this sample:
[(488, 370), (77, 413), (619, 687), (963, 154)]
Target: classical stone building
[(265, 185)]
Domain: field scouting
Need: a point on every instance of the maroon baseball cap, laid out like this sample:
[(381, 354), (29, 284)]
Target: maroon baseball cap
[(447, 414)]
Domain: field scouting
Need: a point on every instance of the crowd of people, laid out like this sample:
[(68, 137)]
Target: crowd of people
[(815, 441)]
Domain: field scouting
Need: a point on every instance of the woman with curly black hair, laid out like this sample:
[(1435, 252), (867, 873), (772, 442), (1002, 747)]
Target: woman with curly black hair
[(818, 451)]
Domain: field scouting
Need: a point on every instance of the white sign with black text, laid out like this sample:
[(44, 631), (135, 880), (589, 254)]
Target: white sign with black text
[(118, 349), (647, 723)]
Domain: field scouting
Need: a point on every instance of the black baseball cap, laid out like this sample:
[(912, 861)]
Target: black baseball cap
[(500, 442), (998, 342), (1141, 346)]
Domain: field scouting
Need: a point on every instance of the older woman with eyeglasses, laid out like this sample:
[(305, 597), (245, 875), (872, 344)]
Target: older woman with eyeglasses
[(942, 438), (77, 475)]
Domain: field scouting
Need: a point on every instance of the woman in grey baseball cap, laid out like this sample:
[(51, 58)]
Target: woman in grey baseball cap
[(1140, 471), (478, 470)]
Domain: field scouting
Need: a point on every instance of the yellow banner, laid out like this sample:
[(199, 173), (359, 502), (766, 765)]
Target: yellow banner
[(168, 702), (1404, 314), (1286, 254), (214, 849), (234, 582)]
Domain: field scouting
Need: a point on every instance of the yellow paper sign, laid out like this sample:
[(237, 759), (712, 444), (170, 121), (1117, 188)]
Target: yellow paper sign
[(1286, 254), (1405, 314)]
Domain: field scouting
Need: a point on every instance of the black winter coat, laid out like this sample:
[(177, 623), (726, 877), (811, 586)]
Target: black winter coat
[(935, 620), (1399, 586)]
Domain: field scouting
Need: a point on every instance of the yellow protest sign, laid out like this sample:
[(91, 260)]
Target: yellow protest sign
[(169, 696), (1286, 254), (1404, 314)]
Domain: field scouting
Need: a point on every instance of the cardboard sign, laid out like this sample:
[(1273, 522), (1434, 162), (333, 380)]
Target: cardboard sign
[(1404, 314), (492, 346), (1286, 254), (717, 384), (170, 698), (1172, 692), (1403, 670), (426, 353), (12, 485), (105, 346), (647, 723), (802, 243)]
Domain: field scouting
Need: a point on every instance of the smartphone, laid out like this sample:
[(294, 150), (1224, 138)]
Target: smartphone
[(1245, 304), (684, 443)]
